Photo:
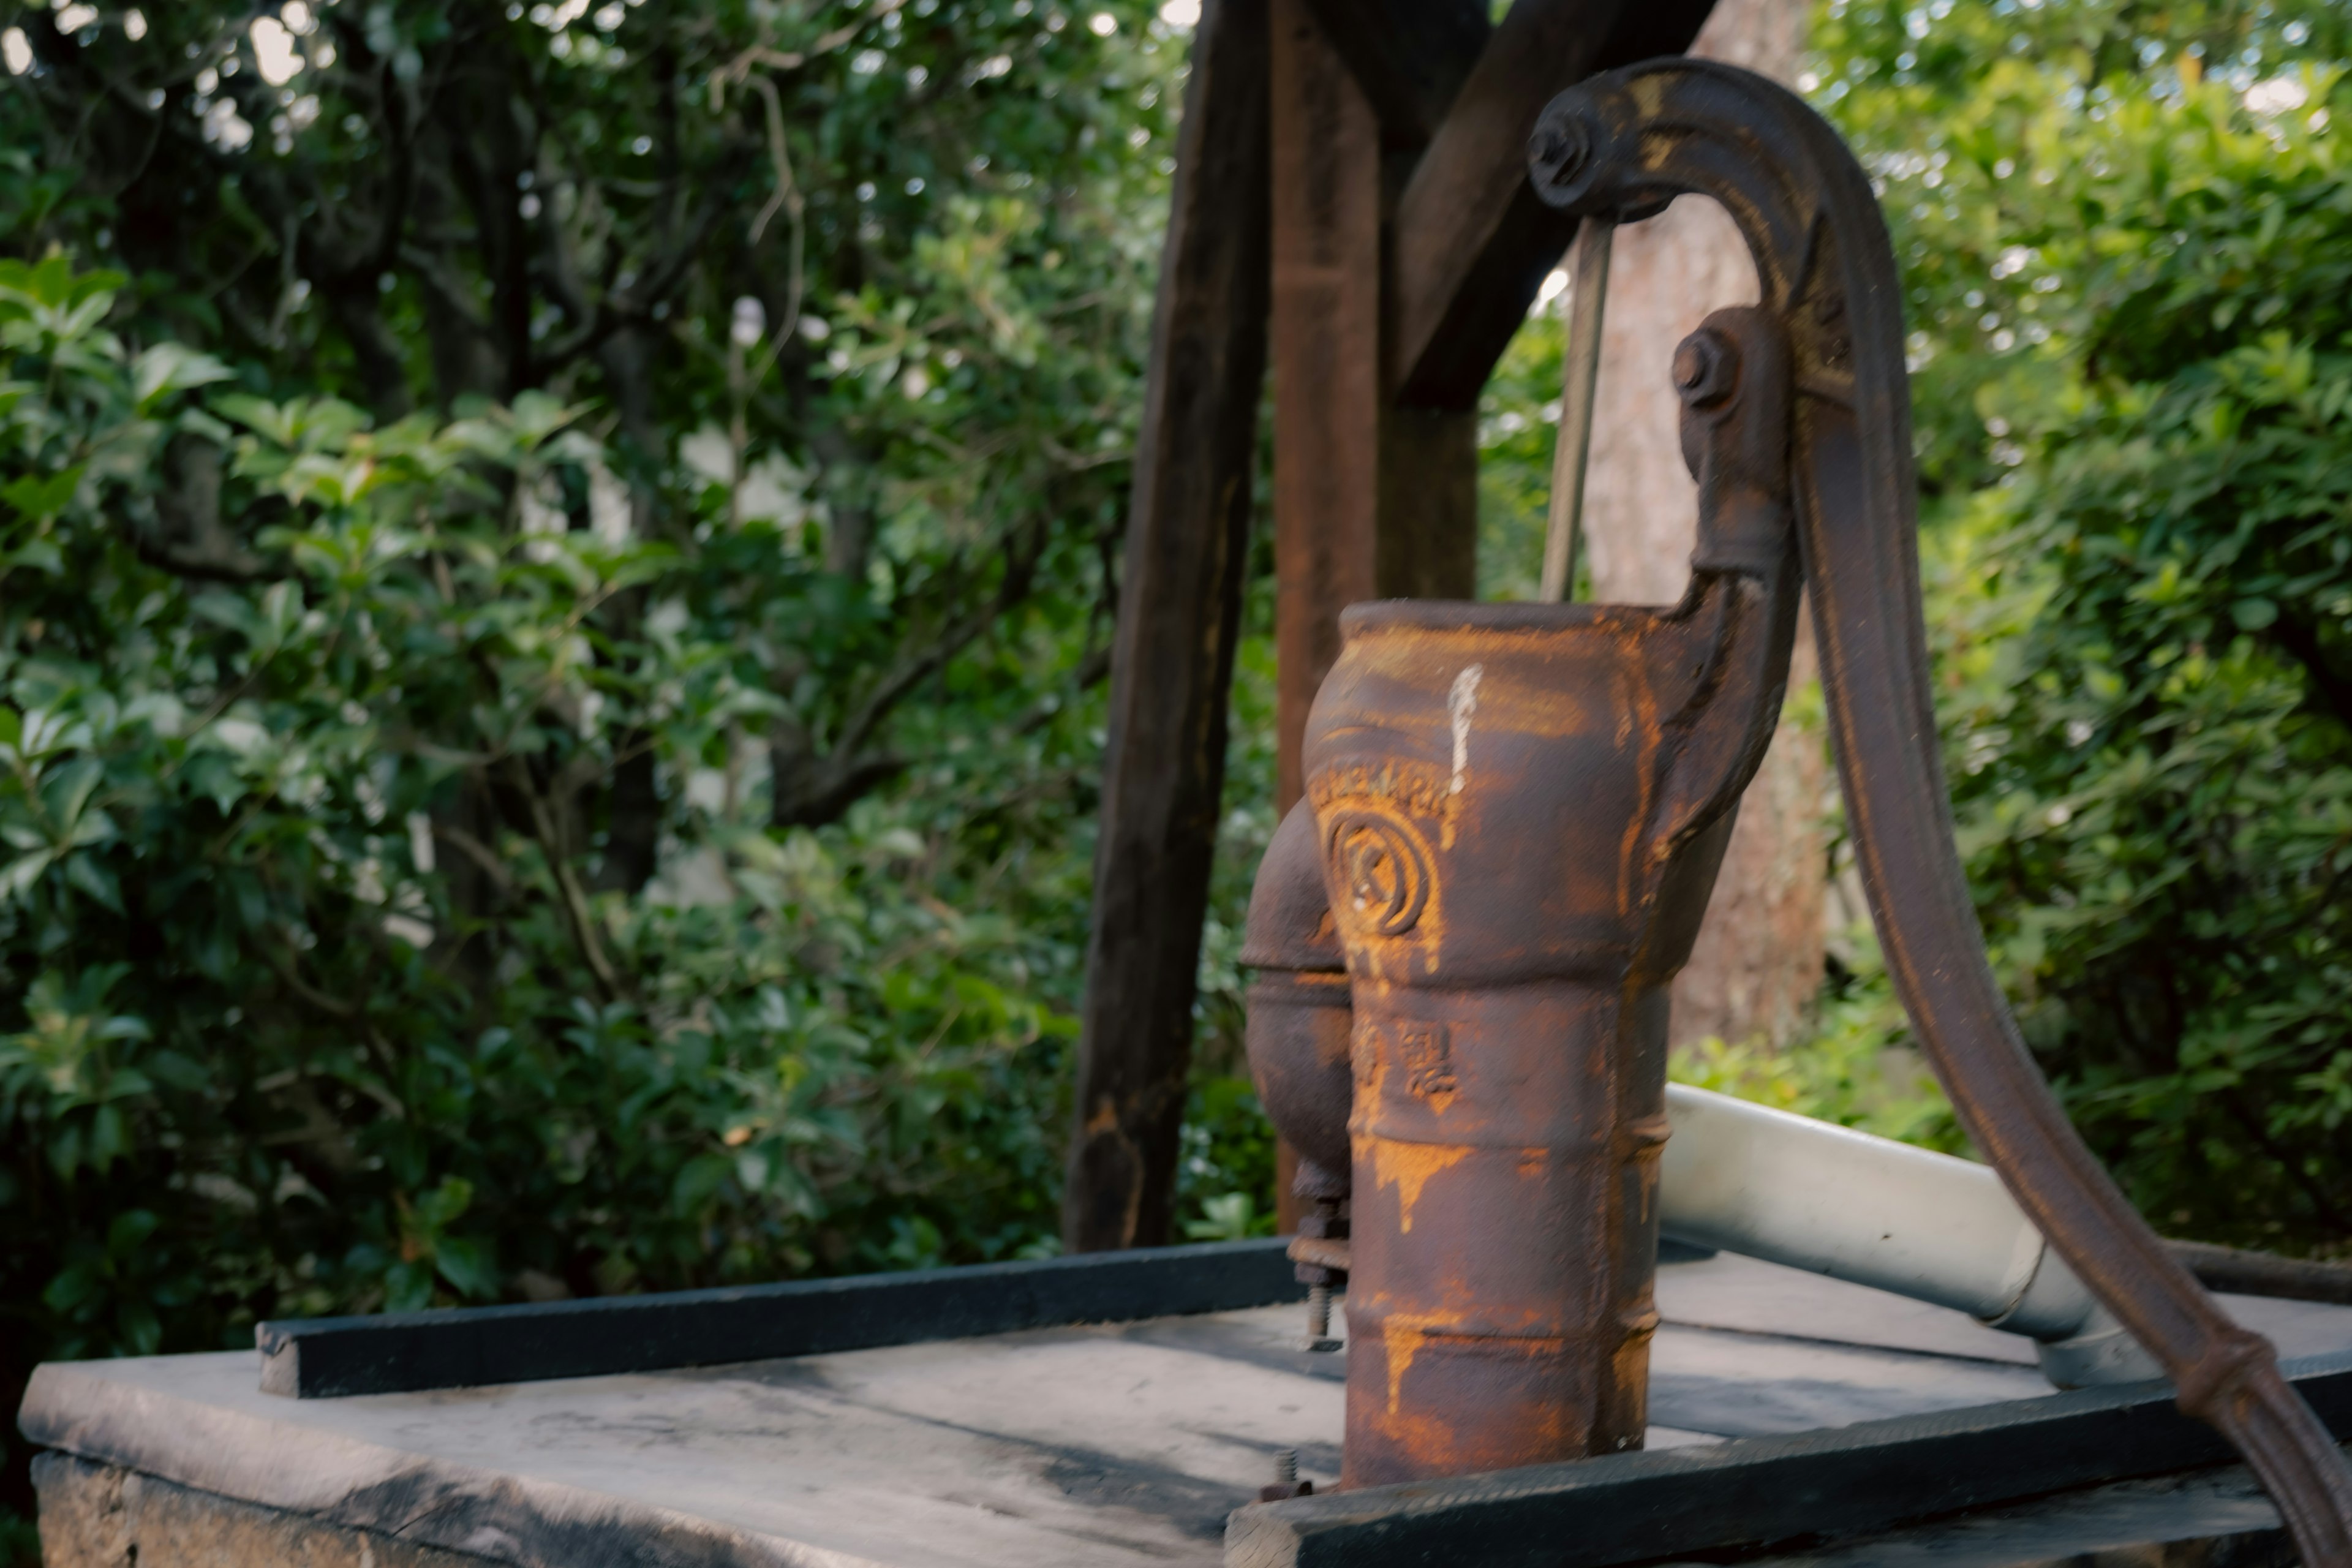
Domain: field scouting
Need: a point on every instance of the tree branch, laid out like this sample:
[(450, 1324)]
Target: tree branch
[(196, 544), (810, 790), (661, 281), (442, 281), (2299, 639), (1019, 576), (480, 853), (570, 897)]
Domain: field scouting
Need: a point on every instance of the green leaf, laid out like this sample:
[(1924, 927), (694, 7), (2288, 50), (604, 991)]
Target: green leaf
[(19, 875), (98, 882), (129, 1231), (41, 497), (171, 367), (408, 1287), (444, 1204), (467, 1265)]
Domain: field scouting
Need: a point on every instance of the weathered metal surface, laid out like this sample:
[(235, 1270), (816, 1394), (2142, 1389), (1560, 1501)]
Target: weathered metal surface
[(1517, 810), (1637, 137), (1297, 1035), (1299, 1014), (2264, 1274), (1507, 925)]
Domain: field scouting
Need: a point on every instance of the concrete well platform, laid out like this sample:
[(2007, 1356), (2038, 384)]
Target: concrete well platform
[(1097, 1445)]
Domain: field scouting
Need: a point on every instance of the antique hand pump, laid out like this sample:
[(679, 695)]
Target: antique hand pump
[(1467, 930)]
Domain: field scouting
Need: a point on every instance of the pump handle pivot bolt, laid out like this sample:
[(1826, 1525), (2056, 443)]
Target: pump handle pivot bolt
[(1707, 368)]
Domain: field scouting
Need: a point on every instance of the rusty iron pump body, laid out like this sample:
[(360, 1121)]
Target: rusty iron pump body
[(1465, 934), (1514, 814)]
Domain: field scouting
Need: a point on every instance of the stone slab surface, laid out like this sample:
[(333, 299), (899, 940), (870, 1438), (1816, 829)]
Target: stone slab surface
[(1115, 1445), (97, 1516)]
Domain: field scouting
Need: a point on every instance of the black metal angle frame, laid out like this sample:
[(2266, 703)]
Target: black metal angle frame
[(466, 1347), (1729, 1501)]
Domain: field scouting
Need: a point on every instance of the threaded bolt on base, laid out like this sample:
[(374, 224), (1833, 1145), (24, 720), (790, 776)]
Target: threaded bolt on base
[(1318, 1318), (1287, 1483)]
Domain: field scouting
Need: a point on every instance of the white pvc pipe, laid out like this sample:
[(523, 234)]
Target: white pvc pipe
[(1765, 1183)]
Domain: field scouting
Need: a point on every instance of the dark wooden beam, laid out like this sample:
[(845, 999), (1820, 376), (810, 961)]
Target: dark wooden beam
[(1428, 503), (1172, 656), (1326, 336), (1325, 330), (1472, 242), (1410, 57)]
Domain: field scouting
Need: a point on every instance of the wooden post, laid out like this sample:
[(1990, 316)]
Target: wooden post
[(1326, 338), (1172, 659), (1463, 245), (1472, 243), (1468, 244), (1429, 503)]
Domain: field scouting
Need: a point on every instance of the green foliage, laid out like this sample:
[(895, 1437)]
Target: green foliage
[(1226, 1170), (2134, 362), (314, 998), (1518, 425), (410, 889), (556, 569), (1993, 131), (20, 1541), (2164, 794), (873, 279), (555, 600), (263, 1056), (1849, 1076)]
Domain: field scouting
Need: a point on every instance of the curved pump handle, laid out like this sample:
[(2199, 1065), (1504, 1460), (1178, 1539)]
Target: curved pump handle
[(1630, 141)]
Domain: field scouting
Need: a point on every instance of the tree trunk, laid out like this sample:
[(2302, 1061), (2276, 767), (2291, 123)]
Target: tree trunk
[(1756, 968)]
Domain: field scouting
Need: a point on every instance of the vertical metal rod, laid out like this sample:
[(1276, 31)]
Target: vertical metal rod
[(1588, 296)]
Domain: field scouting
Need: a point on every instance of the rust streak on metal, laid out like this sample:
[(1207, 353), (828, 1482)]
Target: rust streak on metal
[(1408, 1167)]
